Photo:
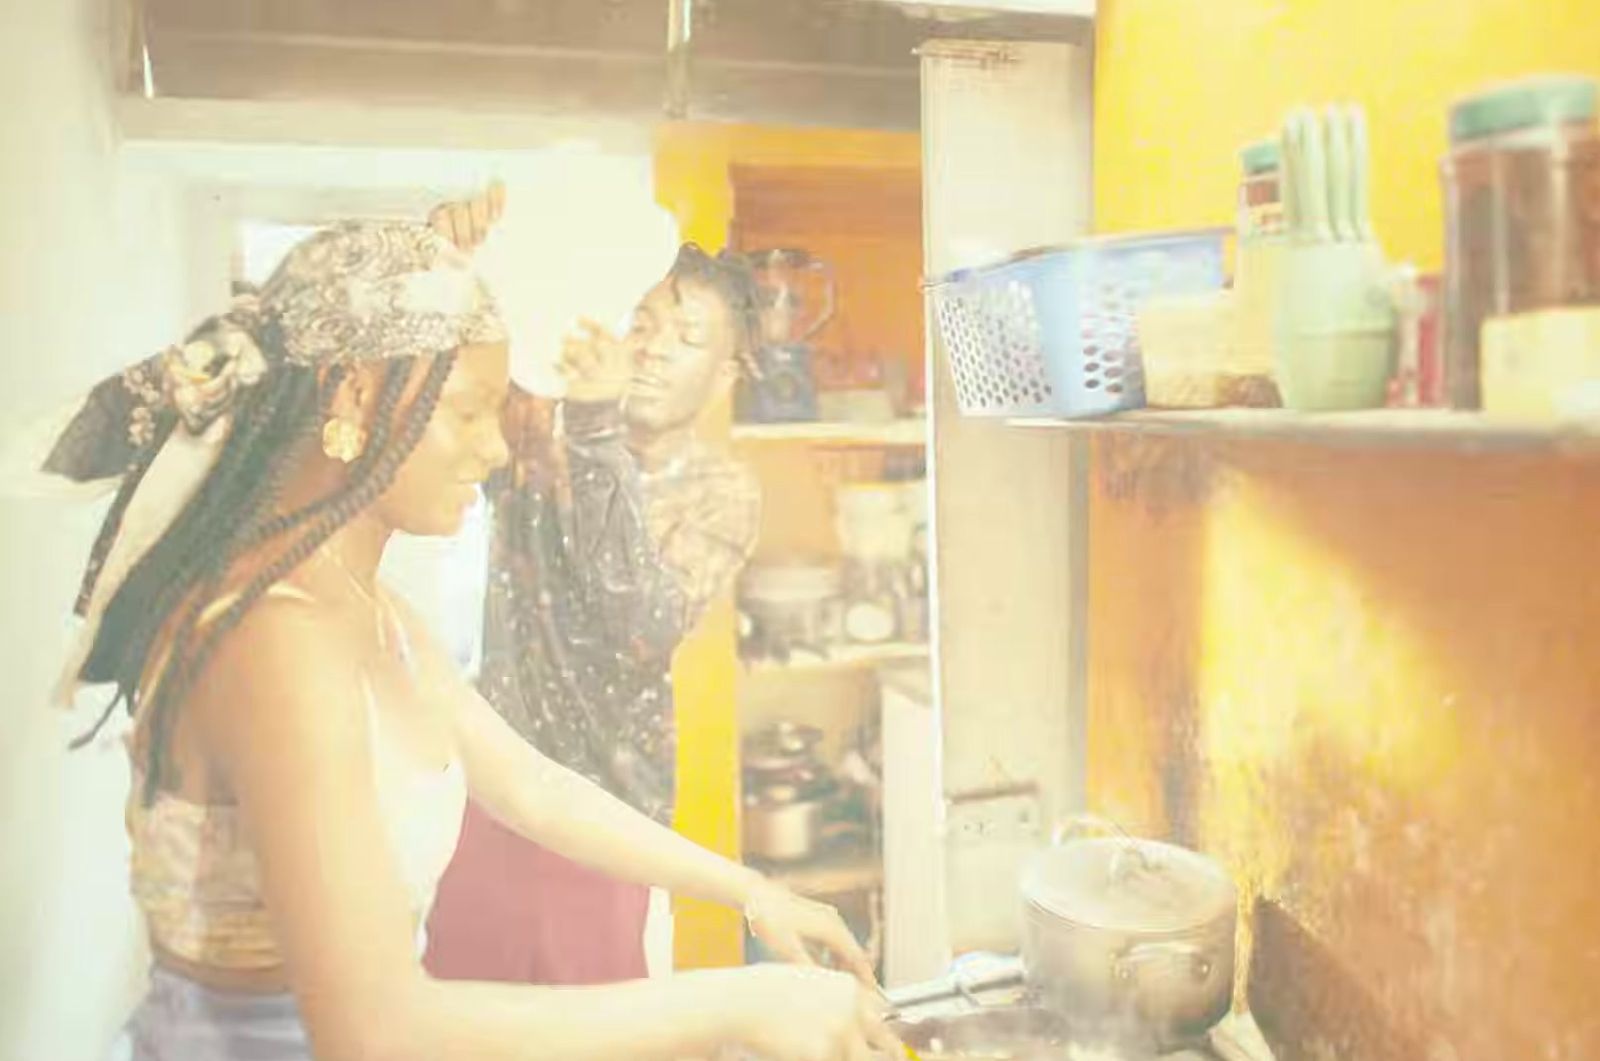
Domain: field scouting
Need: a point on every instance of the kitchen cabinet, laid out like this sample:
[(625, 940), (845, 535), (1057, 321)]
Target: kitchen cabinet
[(697, 166), (864, 223)]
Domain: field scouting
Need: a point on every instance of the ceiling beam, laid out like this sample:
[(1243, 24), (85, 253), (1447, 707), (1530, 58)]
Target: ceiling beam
[(325, 124)]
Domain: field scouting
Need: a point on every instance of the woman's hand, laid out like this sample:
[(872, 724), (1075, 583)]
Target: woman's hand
[(790, 926), (785, 1013), (596, 365), (467, 223)]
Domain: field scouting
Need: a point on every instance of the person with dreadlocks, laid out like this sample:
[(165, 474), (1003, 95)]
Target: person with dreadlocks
[(613, 530), (302, 746)]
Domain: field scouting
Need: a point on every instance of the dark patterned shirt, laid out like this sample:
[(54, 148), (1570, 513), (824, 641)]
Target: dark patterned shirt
[(596, 572)]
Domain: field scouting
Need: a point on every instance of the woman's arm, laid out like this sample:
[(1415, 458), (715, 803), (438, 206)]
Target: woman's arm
[(296, 752), (569, 814)]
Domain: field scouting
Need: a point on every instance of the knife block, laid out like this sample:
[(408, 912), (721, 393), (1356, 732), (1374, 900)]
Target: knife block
[(1336, 327)]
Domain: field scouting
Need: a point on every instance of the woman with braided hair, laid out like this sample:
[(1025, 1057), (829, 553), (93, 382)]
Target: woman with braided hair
[(302, 748)]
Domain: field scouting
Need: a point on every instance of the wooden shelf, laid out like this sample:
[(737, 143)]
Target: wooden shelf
[(838, 870), (1438, 429), (909, 432), (847, 657)]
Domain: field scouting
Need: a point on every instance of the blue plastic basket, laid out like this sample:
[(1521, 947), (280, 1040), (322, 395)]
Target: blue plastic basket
[(1052, 333)]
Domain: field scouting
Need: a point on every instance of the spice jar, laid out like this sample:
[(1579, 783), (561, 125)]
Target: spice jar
[(1257, 273), (1522, 213), (1260, 191)]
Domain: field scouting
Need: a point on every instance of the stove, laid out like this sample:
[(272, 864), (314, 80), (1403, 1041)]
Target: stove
[(983, 997)]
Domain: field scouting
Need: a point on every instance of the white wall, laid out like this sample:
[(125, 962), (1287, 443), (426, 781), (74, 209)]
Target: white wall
[(112, 248), (89, 277), (1008, 504)]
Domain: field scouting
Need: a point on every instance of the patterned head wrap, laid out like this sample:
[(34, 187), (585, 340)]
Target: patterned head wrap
[(358, 291), (355, 292)]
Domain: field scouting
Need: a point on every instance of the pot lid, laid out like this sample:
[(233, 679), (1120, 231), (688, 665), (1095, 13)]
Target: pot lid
[(1128, 885), (786, 736), (1263, 156), (1526, 104), (782, 746)]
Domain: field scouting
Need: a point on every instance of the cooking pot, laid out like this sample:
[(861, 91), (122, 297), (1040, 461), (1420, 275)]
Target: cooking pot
[(806, 782), (1130, 940), (783, 830), (793, 606)]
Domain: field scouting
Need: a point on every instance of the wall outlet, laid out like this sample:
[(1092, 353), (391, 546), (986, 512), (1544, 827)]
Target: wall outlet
[(1008, 819)]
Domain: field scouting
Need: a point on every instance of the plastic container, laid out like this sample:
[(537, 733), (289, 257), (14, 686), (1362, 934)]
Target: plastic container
[(793, 606), (872, 521), (1052, 333), (1522, 213), (1187, 345), (1543, 366), (1419, 375)]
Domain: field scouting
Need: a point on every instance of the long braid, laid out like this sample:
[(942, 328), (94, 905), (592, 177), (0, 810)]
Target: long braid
[(395, 379), (270, 526), (101, 549), (293, 425), (273, 423), (119, 507), (344, 505), (169, 571), (278, 424), (245, 473), (166, 421)]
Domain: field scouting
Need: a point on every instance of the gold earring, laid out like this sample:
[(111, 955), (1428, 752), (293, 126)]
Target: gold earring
[(343, 440)]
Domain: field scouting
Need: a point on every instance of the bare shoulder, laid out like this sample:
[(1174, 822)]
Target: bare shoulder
[(287, 671)]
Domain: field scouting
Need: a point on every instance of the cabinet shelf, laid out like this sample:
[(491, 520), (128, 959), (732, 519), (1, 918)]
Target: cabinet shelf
[(838, 870), (847, 657), (1435, 429), (891, 433)]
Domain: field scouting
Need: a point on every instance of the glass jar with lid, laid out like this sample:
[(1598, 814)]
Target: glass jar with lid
[(1522, 212)]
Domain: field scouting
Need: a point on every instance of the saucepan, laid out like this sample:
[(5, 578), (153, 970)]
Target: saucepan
[(1131, 941), (1127, 944)]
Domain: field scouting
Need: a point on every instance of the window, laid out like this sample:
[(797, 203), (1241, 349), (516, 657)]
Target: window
[(262, 245)]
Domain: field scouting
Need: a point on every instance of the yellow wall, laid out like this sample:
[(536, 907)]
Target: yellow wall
[(1367, 681), (1182, 84), (692, 162)]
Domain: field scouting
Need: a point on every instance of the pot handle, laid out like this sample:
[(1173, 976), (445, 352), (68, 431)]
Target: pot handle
[(1084, 826), (968, 975), (982, 971), (1130, 857), (1198, 959)]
